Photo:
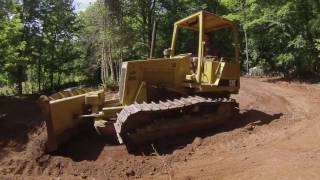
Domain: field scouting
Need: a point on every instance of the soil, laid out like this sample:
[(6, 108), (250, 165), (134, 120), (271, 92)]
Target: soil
[(275, 136)]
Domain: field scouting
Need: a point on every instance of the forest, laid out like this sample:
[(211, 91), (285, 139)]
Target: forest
[(47, 45)]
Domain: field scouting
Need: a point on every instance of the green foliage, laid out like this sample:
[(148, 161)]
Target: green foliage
[(281, 33), (317, 44), (109, 83), (45, 44), (11, 46), (285, 62), (39, 44)]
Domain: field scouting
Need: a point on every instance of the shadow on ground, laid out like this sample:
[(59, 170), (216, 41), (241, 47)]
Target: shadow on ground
[(88, 145), (168, 145)]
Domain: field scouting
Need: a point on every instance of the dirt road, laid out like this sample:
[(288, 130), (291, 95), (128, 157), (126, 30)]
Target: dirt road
[(276, 136)]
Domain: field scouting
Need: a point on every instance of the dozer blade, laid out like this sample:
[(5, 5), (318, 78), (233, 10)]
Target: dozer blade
[(142, 123), (61, 112)]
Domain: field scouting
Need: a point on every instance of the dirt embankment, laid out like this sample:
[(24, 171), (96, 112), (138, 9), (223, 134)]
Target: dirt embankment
[(275, 136)]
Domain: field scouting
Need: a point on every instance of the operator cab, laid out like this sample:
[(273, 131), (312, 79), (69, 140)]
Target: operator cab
[(216, 38), (218, 46)]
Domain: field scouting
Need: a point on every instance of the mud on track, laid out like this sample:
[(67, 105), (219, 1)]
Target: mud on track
[(276, 136)]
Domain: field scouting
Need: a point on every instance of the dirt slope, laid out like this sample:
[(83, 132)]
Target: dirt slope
[(281, 142), (276, 136)]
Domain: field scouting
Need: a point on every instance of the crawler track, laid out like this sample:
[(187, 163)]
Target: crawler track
[(140, 123)]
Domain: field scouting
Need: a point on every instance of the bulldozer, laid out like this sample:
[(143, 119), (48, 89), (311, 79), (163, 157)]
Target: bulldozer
[(158, 97)]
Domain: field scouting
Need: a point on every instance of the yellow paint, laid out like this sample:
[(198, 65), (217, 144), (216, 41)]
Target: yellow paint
[(172, 73), (141, 95), (109, 111)]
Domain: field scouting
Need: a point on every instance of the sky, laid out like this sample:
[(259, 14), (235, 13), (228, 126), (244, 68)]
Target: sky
[(81, 5)]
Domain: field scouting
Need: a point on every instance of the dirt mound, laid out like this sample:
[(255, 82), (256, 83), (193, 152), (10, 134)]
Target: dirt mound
[(274, 136), (30, 159)]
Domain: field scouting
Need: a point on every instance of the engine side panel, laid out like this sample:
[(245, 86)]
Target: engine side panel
[(159, 72)]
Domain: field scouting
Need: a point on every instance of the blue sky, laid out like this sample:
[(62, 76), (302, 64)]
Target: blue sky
[(82, 4)]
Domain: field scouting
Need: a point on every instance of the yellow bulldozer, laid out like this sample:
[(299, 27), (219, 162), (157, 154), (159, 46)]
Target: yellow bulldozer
[(157, 97)]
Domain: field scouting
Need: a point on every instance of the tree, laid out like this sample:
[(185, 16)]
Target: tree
[(59, 30), (282, 34), (108, 36), (11, 43)]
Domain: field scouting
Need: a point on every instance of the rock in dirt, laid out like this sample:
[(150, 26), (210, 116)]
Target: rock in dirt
[(250, 127), (130, 173), (197, 141)]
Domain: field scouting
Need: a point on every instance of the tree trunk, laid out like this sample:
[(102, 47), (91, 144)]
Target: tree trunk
[(39, 74), (247, 52), (19, 79), (150, 17), (102, 68), (53, 51), (59, 77), (112, 76), (31, 75), (104, 64), (116, 72), (110, 60), (153, 40), (243, 8)]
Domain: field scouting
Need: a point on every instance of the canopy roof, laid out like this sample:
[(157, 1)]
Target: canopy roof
[(211, 22)]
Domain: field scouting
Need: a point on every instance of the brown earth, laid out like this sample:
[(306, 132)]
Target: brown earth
[(276, 136)]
